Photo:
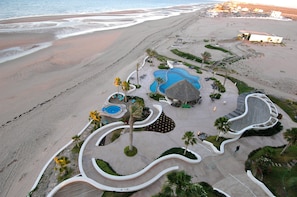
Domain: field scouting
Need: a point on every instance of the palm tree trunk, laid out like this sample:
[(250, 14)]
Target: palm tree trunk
[(185, 150), (285, 148), (218, 136), (131, 122)]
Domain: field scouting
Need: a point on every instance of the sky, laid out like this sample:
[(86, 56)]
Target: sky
[(282, 3)]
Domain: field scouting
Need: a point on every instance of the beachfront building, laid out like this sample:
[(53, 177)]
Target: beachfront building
[(259, 37)]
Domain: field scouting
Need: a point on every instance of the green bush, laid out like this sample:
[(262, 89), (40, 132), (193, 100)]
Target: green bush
[(215, 96), (156, 96), (163, 66)]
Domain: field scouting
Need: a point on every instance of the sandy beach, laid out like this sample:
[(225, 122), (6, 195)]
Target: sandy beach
[(46, 96)]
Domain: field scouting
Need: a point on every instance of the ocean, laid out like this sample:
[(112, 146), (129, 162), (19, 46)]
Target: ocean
[(80, 24), (24, 8)]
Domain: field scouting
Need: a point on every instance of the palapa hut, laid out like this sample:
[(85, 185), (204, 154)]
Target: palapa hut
[(184, 92)]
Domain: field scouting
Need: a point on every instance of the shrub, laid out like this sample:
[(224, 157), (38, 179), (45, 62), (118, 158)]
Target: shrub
[(163, 66), (156, 96), (215, 96)]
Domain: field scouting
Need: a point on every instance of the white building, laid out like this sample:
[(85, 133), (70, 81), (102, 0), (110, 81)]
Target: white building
[(259, 37)]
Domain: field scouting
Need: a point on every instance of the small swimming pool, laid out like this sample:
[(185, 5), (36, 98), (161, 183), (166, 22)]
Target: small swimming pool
[(172, 76), (111, 109)]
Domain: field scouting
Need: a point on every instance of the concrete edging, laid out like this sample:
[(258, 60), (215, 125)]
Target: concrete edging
[(260, 184)]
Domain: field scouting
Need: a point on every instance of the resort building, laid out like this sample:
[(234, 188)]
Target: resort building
[(259, 37)]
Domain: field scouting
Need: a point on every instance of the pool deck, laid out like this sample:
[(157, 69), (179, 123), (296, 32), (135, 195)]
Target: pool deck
[(224, 172)]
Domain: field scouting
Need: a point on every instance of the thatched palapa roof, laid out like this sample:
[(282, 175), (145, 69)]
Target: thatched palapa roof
[(183, 91)]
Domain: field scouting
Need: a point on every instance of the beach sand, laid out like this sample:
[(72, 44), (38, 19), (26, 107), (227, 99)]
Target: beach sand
[(46, 96)]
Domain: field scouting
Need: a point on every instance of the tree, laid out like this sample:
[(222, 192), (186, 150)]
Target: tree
[(179, 184), (62, 164), (117, 82), (151, 54), (159, 81), (291, 136), (222, 125), (125, 88), (206, 56), (137, 76), (135, 111), (95, 116), (189, 138), (76, 139)]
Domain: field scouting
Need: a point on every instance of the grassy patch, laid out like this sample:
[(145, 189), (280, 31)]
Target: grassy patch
[(218, 48), (187, 56), (241, 86), (216, 143), (115, 135), (289, 106), (179, 151), (103, 165), (280, 178), (130, 153), (117, 194)]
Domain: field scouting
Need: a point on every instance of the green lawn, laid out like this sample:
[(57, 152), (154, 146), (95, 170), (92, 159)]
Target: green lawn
[(281, 180)]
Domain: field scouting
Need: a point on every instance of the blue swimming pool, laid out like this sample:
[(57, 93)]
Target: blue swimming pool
[(172, 76), (111, 109)]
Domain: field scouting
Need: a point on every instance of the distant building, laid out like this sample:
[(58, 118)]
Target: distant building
[(259, 37), (276, 14)]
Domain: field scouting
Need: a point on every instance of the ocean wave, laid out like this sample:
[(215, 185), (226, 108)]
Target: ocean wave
[(17, 52)]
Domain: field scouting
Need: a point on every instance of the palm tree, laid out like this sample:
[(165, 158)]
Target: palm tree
[(62, 163), (117, 82), (76, 139), (179, 184), (135, 111), (150, 54), (137, 77), (95, 116), (125, 88), (159, 81), (189, 138), (291, 136), (222, 125), (206, 56)]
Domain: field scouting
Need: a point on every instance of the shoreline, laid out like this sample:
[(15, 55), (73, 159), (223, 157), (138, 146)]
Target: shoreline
[(78, 74)]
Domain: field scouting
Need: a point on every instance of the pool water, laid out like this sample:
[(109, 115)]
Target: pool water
[(171, 77), (111, 109)]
